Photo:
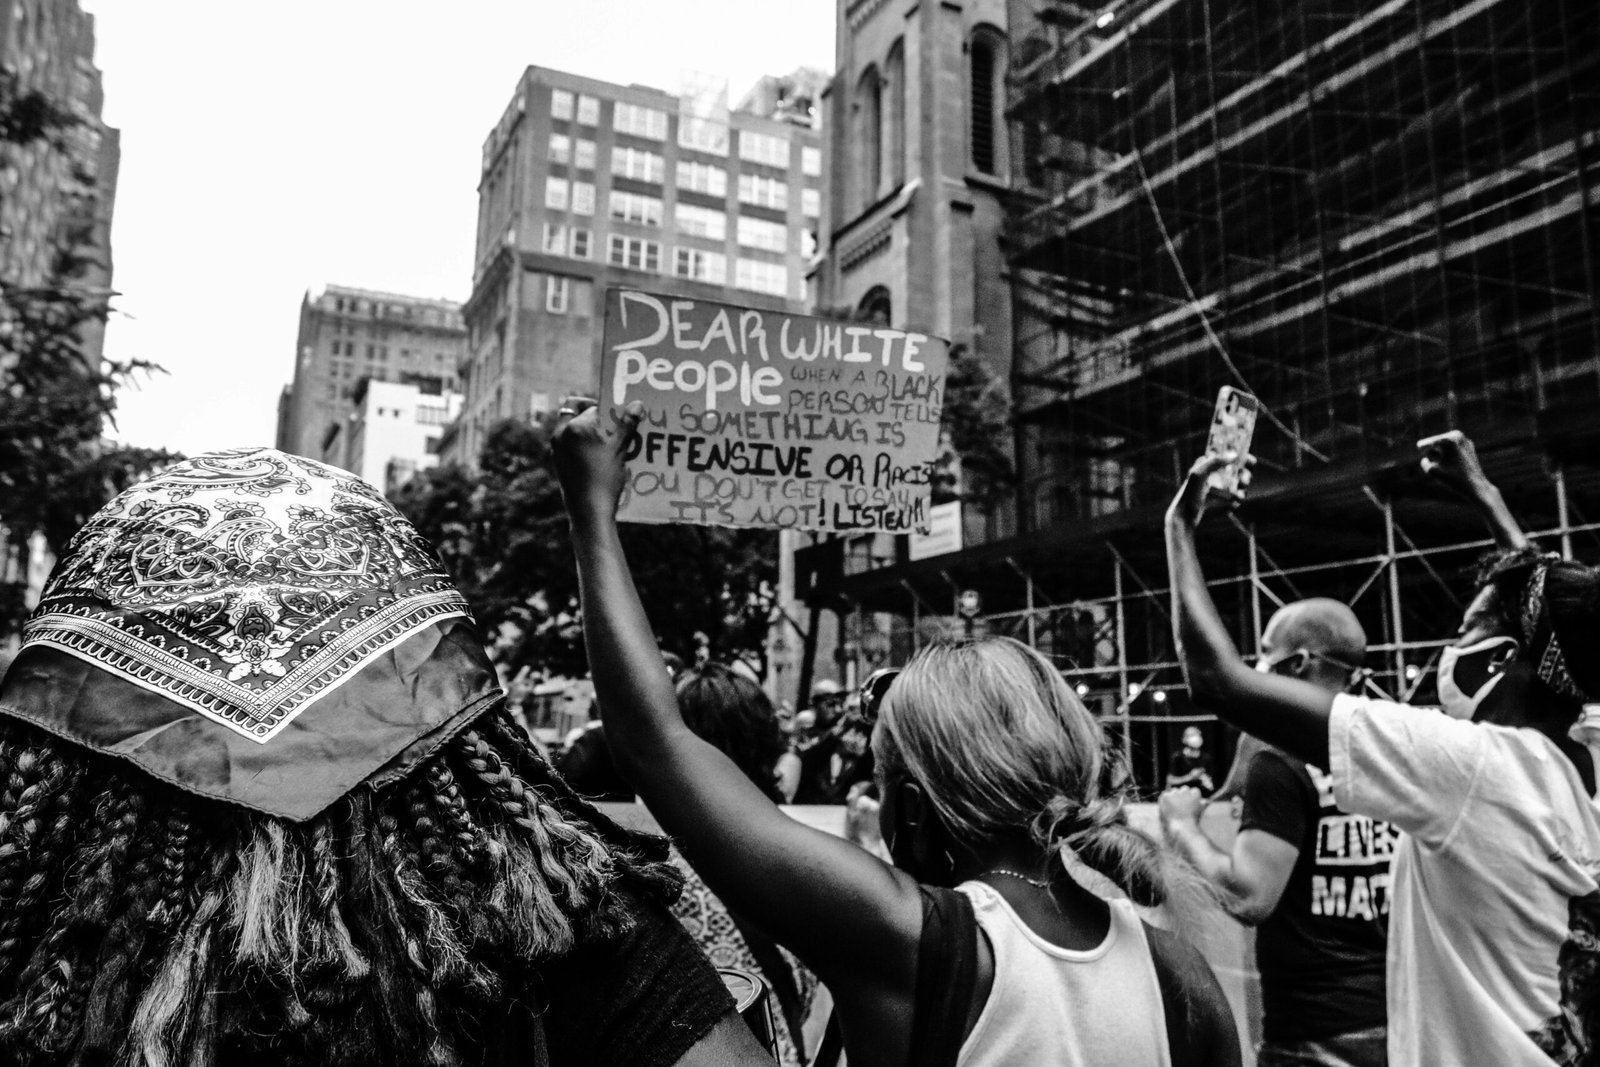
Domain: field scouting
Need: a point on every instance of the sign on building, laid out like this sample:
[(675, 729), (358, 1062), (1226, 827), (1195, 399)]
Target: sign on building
[(762, 418)]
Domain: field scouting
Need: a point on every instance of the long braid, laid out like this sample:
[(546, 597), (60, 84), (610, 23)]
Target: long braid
[(121, 964), (649, 868), (38, 783), (53, 987)]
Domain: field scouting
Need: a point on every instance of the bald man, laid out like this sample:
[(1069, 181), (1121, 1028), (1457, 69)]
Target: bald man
[(1313, 879)]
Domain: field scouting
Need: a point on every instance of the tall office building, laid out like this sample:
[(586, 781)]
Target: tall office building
[(350, 336), (58, 191), (587, 185)]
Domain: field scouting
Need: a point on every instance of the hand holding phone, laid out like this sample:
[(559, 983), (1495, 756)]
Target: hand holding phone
[(1233, 425)]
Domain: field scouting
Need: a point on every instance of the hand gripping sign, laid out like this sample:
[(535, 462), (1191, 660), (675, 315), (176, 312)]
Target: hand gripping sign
[(762, 418)]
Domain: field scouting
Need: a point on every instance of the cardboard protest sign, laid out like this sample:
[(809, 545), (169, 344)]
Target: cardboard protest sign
[(762, 418)]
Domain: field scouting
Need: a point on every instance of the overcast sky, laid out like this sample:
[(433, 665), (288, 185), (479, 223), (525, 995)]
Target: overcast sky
[(268, 149)]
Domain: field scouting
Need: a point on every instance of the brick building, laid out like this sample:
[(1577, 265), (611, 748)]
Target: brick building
[(350, 336), (586, 185)]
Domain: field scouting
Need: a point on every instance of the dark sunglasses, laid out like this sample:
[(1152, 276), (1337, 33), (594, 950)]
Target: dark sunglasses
[(873, 689)]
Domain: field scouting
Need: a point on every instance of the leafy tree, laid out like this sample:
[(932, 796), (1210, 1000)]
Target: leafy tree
[(503, 535), (56, 469)]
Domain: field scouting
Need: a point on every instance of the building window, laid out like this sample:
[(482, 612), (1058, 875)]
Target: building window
[(764, 148), (763, 192), (555, 294), (583, 198), (581, 243), (867, 113), (811, 161), (588, 111), (555, 239), (702, 178), (759, 277), (700, 222), (560, 104), (759, 233), (639, 121), (703, 135), (639, 165), (560, 148), (876, 307), (811, 203), (631, 207), (699, 265), (583, 154), (634, 252), (555, 194), (985, 63), (893, 106)]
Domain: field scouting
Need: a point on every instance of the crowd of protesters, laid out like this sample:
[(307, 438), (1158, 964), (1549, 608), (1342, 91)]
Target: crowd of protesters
[(262, 801)]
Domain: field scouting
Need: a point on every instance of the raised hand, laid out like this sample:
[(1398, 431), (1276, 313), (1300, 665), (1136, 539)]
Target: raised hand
[(589, 455), (1452, 459), (1195, 492)]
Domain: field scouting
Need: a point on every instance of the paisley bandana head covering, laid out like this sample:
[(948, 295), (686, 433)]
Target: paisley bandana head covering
[(253, 627)]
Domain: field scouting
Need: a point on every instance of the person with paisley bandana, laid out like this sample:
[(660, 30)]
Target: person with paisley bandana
[(261, 802)]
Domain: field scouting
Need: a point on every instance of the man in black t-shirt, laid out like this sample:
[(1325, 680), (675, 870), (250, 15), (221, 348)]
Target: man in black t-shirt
[(1312, 879)]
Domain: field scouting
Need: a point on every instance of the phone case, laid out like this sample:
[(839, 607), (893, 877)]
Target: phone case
[(1233, 424)]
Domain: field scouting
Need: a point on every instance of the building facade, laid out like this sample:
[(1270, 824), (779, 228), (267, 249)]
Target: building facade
[(1379, 218), (918, 170), (58, 192), (392, 429), (350, 336), (588, 185)]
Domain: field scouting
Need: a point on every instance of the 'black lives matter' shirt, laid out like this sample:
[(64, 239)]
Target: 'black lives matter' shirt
[(1321, 952)]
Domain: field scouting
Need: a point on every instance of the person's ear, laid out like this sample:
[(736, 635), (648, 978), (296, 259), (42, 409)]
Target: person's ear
[(1301, 664), (1504, 655)]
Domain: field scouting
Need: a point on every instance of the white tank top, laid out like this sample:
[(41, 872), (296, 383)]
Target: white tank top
[(1053, 1007)]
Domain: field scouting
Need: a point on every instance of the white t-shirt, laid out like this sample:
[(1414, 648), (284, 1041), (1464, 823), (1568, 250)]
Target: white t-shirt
[(1500, 837)]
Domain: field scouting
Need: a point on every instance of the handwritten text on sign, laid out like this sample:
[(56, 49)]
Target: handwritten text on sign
[(761, 418)]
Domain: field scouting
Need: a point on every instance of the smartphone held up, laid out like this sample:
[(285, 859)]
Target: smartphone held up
[(1233, 424)]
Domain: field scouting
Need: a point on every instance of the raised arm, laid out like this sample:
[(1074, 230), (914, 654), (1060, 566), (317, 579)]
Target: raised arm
[(1451, 458), (1282, 711), (842, 911)]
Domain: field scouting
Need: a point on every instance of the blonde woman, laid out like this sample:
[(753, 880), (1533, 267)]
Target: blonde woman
[(981, 945)]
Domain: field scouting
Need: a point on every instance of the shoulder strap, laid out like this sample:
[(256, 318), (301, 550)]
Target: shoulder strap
[(947, 977), (1200, 1028)]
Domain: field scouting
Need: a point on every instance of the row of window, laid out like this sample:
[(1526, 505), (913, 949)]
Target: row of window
[(563, 294), (578, 241), (701, 134), (645, 166), (560, 194)]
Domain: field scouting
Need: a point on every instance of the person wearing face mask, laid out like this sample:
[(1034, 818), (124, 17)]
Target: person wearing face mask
[(1312, 878), (1494, 880)]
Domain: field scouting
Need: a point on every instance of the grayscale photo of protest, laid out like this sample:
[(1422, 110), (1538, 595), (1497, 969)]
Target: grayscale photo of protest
[(849, 533)]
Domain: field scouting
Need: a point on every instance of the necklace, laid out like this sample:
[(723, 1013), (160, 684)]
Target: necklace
[(1037, 883)]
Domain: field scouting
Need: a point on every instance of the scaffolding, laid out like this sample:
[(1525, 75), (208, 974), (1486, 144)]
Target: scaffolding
[(1379, 217)]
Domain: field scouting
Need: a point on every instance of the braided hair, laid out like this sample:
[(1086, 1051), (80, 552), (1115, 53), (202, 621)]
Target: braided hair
[(142, 925)]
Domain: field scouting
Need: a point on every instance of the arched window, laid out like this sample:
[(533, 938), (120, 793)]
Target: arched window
[(876, 307), (894, 87), (869, 136), (986, 61)]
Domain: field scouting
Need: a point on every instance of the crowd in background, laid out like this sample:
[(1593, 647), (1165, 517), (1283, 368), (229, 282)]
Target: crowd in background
[(288, 817)]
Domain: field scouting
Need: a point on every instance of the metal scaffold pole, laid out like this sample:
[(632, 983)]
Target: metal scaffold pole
[(1396, 612)]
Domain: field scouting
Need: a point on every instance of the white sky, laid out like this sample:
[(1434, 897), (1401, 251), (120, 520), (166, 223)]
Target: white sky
[(268, 149)]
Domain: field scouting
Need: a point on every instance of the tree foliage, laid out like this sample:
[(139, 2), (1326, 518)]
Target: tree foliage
[(502, 533), (56, 398)]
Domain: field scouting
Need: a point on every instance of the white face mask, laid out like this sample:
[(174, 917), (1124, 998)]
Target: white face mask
[(1457, 702)]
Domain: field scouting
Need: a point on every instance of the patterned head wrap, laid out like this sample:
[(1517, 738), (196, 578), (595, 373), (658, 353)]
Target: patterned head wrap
[(253, 627), (1540, 636)]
